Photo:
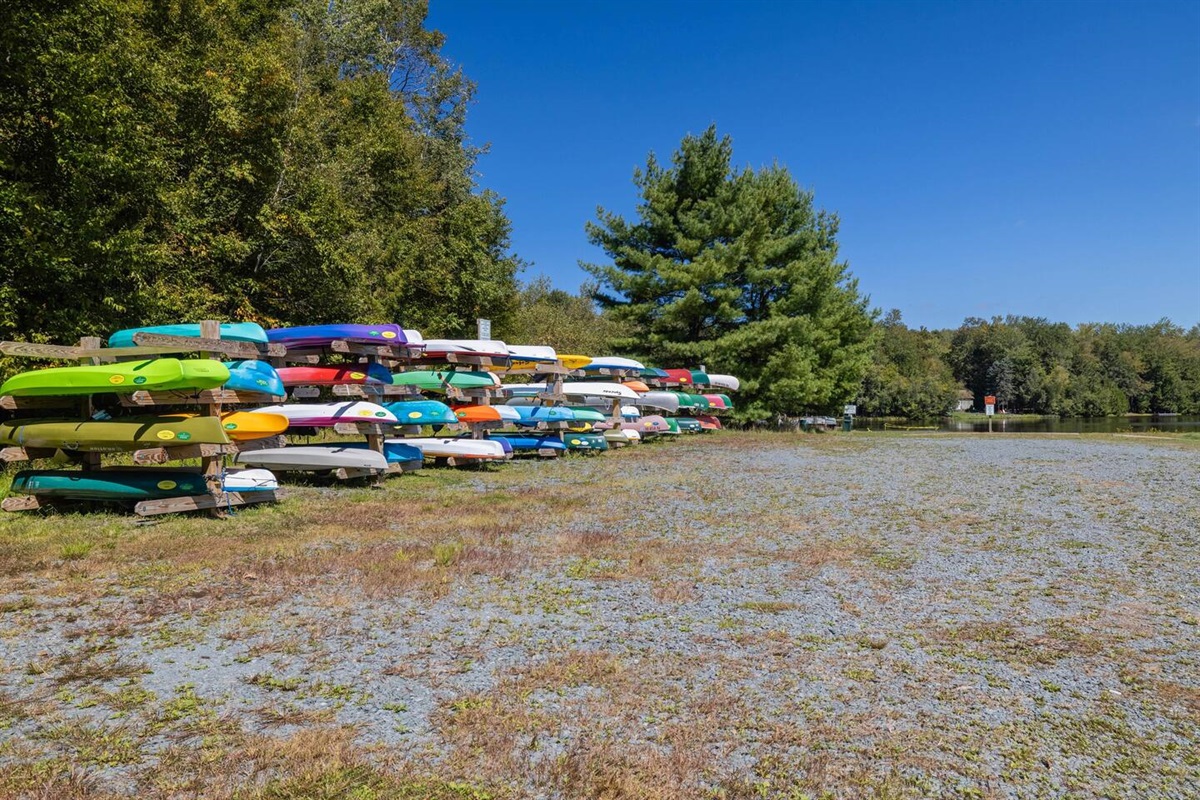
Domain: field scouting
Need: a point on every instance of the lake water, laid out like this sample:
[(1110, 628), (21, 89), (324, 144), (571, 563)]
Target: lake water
[(1167, 422)]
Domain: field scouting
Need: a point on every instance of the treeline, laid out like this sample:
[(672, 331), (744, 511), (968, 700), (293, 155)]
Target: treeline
[(1035, 366), (285, 161)]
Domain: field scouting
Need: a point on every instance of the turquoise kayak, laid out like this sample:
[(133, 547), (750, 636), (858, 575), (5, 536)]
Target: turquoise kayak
[(585, 414), (145, 483), (422, 412), (585, 441), (393, 450), (235, 331), (254, 376), (532, 415)]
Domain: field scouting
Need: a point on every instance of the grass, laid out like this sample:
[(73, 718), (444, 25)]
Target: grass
[(604, 627)]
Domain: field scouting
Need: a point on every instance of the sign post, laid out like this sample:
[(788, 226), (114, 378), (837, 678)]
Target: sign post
[(483, 328), (989, 408)]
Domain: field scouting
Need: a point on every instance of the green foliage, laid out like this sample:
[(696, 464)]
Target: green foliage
[(570, 323), (735, 270), (909, 376), (290, 161)]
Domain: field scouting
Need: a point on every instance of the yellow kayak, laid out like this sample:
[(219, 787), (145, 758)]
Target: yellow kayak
[(570, 362), (244, 425)]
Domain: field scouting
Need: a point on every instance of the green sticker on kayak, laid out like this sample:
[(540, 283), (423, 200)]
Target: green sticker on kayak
[(183, 436)]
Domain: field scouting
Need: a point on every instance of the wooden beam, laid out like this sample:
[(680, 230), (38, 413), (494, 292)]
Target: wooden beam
[(20, 504), (10, 403), (349, 473), (203, 397), (34, 350), (195, 344), (161, 455), (353, 428), (175, 505)]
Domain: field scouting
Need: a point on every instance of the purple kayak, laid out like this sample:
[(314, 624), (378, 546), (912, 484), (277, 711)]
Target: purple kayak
[(322, 335)]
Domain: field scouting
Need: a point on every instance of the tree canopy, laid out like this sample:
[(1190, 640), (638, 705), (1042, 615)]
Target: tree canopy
[(737, 270), (287, 161)]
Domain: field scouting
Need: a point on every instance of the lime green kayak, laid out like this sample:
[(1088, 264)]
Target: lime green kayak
[(129, 433), (160, 374), (428, 381)]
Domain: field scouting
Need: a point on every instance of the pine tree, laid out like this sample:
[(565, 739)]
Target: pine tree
[(737, 270)]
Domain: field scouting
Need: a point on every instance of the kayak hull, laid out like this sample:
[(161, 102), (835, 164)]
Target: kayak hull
[(162, 374), (234, 331), (339, 375), (314, 458), (111, 436), (326, 415), (422, 412), (144, 483), (435, 447), (324, 335), (254, 376)]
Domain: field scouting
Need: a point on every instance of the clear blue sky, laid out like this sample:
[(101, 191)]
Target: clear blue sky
[(1036, 158)]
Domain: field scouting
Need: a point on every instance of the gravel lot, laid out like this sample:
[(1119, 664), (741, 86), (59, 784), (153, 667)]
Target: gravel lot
[(735, 615)]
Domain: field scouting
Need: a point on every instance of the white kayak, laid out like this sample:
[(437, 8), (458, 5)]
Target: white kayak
[(666, 401), (724, 382), (533, 352), (613, 391), (467, 347), (250, 480), (619, 436), (434, 447), (326, 415), (615, 363), (313, 458)]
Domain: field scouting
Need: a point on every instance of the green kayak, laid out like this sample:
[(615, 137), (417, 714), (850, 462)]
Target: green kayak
[(160, 374), (585, 441), (429, 381), (128, 433), (585, 414), (119, 484)]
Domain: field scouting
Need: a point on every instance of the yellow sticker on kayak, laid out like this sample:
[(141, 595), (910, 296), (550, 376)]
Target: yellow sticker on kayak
[(358, 376), (115, 379), (165, 485), (389, 334), (414, 414), (165, 434), (365, 412)]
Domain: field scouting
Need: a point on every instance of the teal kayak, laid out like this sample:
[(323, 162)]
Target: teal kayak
[(144, 483), (235, 331), (254, 376), (422, 412), (429, 381), (585, 441)]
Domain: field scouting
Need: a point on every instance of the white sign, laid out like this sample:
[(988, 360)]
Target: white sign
[(851, 410), (484, 327), (989, 409)]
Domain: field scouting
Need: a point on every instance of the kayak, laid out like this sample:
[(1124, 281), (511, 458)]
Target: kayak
[(422, 412), (532, 415), (536, 354), (699, 378), (243, 426), (126, 433), (715, 401), (470, 415), (525, 442), (313, 458), (326, 415), (488, 348), (341, 374), (584, 414), (665, 401), (724, 382), (585, 441), (653, 373), (393, 450), (574, 389), (160, 374), (630, 412), (143, 483), (254, 376), (672, 426), (681, 376), (234, 331), (688, 425), (637, 386), (574, 362), (249, 480), (475, 449), (323, 335), (615, 363), (618, 436), (686, 400), (651, 424), (429, 381), (708, 422)]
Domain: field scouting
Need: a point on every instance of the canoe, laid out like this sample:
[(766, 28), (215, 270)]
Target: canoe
[(532, 415), (708, 422), (326, 415), (430, 381), (726, 399), (672, 426), (715, 401), (680, 376), (393, 450), (243, 426), (422, 412), (652, 423), (249, 480), (475, 449), (653, 373), (637, 386), (254, 376), (599, 389), (142, 483), (688, 425), (235, 331), (614, 363), (487, 348), (585, 441), (724, 382), (665, 401), (323, 335), (699, 378), (686, 400), (313, 458), (525, 442), (337, 375), (161, 374), (118, 435)]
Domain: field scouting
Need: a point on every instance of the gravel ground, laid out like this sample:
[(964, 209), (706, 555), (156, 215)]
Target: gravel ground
[(738, 615)]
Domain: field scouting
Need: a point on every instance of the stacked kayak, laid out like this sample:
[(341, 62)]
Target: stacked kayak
[(234, 331), (162, 374)]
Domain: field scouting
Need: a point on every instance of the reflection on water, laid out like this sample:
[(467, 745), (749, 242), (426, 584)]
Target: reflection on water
[(1000, 424)]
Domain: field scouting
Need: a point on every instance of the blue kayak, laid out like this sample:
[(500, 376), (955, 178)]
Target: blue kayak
[(254, 376), (532, 415), (235, 331), (322, 335), (393, 451), (529, 441), (422, 412)]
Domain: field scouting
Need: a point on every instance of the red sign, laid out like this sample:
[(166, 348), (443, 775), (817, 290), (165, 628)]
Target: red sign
[(990, 400)]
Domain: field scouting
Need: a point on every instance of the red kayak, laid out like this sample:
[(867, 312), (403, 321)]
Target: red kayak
[(708, 422), (680, 376), (335, 375)]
